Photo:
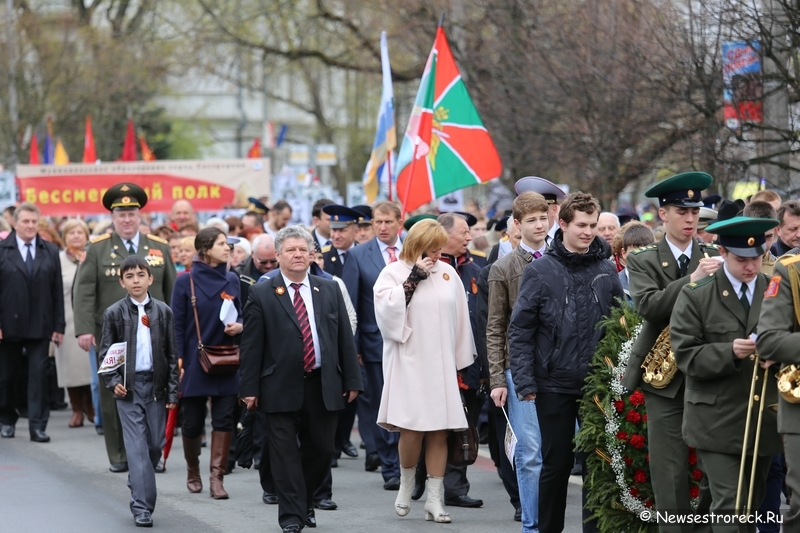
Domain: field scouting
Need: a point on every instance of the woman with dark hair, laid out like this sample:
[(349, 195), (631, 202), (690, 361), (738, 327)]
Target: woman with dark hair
[(213, 285)]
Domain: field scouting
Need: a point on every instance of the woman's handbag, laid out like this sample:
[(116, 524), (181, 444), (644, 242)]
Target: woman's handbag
[(462, 446), (215, 360)]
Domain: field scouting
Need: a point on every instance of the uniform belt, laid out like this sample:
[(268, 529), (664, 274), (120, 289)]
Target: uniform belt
[(313, 373), (144, 376)]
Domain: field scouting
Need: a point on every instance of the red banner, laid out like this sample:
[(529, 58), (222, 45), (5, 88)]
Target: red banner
[(208, 185)]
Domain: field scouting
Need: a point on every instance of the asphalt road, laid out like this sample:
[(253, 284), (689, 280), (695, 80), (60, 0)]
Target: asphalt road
[(65, 487)]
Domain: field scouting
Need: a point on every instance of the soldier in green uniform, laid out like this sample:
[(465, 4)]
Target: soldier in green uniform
[(711, 330), (97, 287), (657, 273), (778, 340)]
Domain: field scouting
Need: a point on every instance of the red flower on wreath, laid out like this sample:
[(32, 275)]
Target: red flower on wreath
[(647, 458), (640, 476), (619, 405), (692, 457), (633, 417), (637, 398), (644, 418), (621, 435), (634, 492), (697, 475), (637, 441), (648, 503), (694, 491), (628, 460)]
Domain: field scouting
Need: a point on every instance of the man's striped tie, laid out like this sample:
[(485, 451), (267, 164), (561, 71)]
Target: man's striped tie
[(305, 327)]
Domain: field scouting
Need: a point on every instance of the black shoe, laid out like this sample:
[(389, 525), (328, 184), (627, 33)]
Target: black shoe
[(99, 430), (269, 499), (161, 467), (7, 432), (311, 519), (256, 464), (393, 483), (118, 467), (334, 463), (463, 501), (518, 515), (372, 462), (362, 445), (419, 488), (292, 528), (349, 450), (326, 505), (37, 435), (58, 406), (143, 520), (230, 466), (576, 469)]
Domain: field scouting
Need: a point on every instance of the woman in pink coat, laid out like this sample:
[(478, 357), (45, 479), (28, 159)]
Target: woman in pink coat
[(421, 310)]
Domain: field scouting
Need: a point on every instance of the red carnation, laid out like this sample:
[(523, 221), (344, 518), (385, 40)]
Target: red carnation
[(648, 504), (634, 492), (621, 435), (692, 457), (637, 441), (633, 417), (644, 418), (647, 458), (694, 491), (697, 475), (628, 460), (640, 476), (619, 405), (637, 398)]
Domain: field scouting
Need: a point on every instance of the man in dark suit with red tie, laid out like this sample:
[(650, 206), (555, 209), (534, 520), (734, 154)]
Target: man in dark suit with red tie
[(31, 315), (299, 366)]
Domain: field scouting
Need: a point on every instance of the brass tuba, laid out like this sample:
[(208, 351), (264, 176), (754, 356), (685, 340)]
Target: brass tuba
[(659, 365), (789, 383)]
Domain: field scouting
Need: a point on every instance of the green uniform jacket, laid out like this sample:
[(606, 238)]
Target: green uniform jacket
[(97, 282), (708, 316), (654, 286), (778, 338)]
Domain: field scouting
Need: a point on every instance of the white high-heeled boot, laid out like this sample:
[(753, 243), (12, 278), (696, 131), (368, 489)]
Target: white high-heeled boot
[(433, 505), (402, 505)]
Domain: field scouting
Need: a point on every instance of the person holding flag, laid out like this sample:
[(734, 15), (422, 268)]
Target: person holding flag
[(140, 328)]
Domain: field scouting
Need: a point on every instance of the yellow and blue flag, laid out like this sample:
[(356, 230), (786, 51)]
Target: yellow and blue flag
[(379, 166)]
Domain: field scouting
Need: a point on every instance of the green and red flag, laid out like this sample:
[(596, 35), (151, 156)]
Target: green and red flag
[(446, 146)]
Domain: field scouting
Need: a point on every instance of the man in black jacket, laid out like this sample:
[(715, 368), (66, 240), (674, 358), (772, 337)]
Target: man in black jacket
[(31, 315), (552, 338)]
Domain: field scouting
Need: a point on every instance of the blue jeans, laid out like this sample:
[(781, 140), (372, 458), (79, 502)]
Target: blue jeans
[(528, 455), (98, 415)]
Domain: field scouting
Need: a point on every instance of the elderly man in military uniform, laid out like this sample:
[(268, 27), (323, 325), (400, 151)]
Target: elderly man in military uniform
[(97, 287), (712, 330), (656, 274), (778, 340), (343, 237)]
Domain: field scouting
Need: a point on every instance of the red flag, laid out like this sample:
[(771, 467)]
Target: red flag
[(34, 157), (129, 148), (446, 146), (89, 152), (255, 149), (147, 153)]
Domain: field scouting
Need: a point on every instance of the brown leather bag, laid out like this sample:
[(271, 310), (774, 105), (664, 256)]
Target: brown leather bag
[(215, 360), (462, 446)]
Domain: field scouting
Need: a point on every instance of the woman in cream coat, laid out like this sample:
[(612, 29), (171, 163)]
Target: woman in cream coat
[(421, 310)]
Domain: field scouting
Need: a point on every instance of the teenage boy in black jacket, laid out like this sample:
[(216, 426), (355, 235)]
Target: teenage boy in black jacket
[(151, 375), (552, 338)]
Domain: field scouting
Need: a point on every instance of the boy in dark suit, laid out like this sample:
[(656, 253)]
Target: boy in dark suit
[(150, 371)]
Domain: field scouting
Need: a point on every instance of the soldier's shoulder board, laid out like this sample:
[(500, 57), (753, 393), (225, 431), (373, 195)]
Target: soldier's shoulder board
[(787, 260), (648, 248), (326, 248), (247, 279), (157, 239), (505, 238), (477, 253), (702, 283), (101, 238)]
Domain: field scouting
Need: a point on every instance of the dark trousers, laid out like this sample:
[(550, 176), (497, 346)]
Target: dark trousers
[(38, 381), (194, 414), (773, 494), (507, 473), (112, 427), (557, 414), (365, 427), (791, 449), (297, 471), (344, 427), (455, 477), (385, 441)]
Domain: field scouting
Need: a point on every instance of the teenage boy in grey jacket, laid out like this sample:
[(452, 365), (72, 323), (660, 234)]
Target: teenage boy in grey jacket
[(149, 385)]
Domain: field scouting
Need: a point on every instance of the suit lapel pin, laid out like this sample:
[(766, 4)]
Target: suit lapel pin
[(280, 290), (333, 259), (724, 293), (446, 276), (316, 289), (664, 264)]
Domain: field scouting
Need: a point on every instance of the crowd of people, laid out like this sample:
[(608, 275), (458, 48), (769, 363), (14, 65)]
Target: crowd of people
[(408, 329)]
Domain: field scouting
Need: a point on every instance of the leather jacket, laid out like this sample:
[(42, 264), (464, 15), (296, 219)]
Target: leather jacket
[(120, 323)]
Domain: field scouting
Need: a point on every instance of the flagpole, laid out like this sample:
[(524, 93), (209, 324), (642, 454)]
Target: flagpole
[(410, 176), (389, 171)]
